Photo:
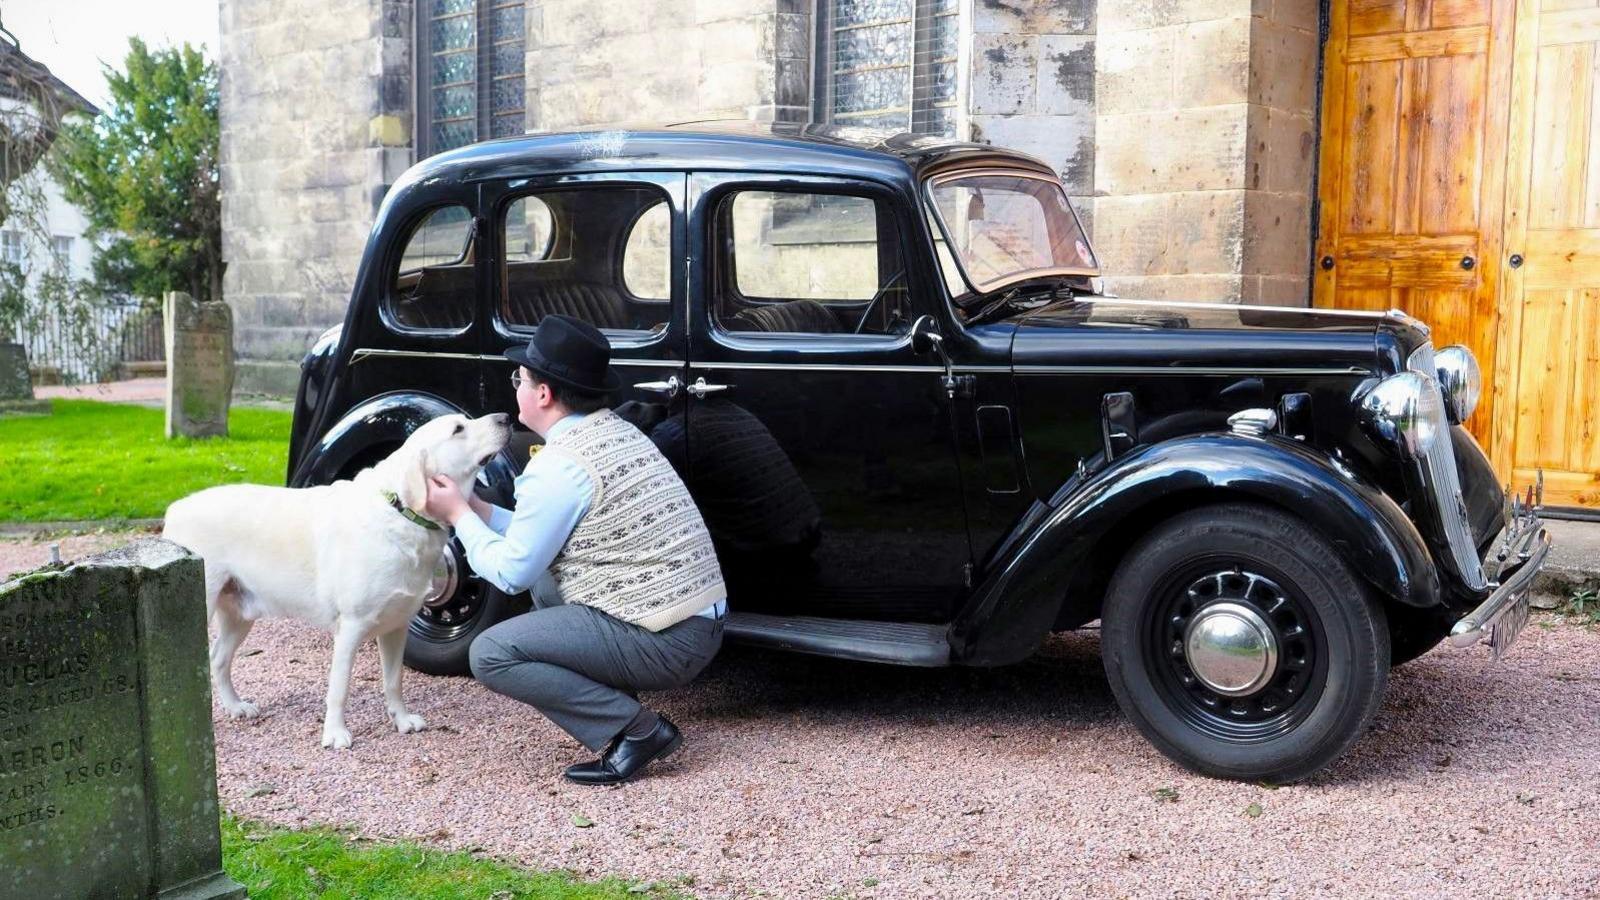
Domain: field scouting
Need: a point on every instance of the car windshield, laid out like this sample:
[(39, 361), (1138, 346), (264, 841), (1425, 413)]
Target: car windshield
[(1001, 227)]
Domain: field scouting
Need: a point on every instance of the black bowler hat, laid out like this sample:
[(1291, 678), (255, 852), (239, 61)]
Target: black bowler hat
[(569, 352)]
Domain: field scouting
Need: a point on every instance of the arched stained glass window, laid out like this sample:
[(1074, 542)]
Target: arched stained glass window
[(470, 63), (888, 64)]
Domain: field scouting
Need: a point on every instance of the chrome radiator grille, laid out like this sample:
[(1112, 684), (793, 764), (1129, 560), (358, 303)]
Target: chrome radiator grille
[(1446, 485)]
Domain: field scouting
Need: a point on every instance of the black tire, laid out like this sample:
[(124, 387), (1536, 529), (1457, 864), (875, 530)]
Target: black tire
[(1328, 678), (439, 639)]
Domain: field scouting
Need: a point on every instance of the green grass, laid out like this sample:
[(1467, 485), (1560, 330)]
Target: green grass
[(94, 460), (322, 863)]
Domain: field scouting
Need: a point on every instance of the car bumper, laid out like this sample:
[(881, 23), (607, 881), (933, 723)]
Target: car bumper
[(1516, 561)]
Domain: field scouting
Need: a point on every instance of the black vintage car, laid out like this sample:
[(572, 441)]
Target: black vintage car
[(920, 433)]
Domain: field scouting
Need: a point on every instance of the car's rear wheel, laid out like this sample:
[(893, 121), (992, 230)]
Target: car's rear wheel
[(1242, 646), (461, 606)]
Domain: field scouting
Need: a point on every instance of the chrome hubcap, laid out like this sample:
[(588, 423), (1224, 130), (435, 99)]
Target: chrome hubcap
[(1231, 649), (445, 579)]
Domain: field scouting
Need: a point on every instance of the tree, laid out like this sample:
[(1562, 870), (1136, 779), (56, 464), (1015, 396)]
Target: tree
[(145, 175)]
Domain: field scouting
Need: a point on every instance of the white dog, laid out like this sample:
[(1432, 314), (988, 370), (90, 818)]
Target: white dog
[(355, 557)]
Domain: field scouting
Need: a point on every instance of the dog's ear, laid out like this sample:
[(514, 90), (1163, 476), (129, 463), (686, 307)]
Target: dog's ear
[(414, 481)]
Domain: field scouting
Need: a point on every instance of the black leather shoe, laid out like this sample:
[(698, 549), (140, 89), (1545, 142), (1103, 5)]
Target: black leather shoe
[(627, 757)]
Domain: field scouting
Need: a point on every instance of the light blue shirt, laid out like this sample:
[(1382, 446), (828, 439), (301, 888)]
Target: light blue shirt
[(516, 546)]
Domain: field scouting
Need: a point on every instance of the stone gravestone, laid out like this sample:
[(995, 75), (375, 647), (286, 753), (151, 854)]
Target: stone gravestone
[(199, 338), (107, 763), (16, 387)]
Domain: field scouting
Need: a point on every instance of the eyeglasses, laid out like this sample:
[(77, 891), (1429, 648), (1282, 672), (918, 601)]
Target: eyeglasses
[(517, 380)]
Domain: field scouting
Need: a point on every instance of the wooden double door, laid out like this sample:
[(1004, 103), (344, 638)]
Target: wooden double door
[(1460, 182)]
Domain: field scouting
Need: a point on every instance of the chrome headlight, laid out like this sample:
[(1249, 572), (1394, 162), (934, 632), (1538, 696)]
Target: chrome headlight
[(1404, 410), (1460, 380)]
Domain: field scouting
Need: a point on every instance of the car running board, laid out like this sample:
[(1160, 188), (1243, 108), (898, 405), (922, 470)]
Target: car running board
[(901, 643)]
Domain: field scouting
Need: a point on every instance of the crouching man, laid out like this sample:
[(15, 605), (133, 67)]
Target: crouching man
[(641, 598)]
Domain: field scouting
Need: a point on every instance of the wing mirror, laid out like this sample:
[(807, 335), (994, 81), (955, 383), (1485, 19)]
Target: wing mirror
[(925, 335)]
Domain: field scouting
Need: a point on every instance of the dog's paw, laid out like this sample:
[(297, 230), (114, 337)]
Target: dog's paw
[(335, 738), (244, 709), (407, 723)]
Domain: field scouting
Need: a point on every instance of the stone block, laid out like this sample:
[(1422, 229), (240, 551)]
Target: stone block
[(1130, 234), (793, 39), (272, 378), (1066, 75), (1033, 16), (1004, 74), (1184, 150), (1267, 290), (1282, 152), (1117, 16), (703, 11), (15, 382), (1300, 14), (1065, 142), (1277, 234), (199, 344), (1134, 71), (108, 787), (746, 40), (1213, 63), (1206, 233), (1193, 288), (1283, 67)]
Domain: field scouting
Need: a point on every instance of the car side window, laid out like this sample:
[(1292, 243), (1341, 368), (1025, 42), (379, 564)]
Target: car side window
[(600, 253), (646, 260), (435, 283), (809, 263)]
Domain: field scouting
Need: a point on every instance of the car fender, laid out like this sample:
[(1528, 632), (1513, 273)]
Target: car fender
[(1016, 604), (384, 419)]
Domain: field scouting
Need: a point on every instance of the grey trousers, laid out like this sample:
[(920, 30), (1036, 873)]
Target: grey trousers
[(580, 666)]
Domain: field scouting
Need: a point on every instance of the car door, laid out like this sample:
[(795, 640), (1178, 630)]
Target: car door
[(818, 440), (606, 249)]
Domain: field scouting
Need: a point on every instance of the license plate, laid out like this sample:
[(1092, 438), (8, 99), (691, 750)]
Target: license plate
[(1507, 627)]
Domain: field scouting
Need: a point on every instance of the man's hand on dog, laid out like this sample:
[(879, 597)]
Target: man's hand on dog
[(445, 503)]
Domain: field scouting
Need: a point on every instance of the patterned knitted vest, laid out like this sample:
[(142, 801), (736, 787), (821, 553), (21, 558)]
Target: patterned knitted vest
[(642, 552)]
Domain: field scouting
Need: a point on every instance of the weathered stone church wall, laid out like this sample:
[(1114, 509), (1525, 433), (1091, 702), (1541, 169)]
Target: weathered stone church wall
[(1032, 69), (1205, 148), (660, 61), (316, 104)]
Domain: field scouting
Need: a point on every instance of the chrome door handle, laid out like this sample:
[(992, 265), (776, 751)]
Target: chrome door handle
[(700, 388), (668, 387)]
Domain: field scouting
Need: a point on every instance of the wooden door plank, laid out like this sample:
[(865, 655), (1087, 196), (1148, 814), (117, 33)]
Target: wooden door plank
[(1560, 139), (1586, 383), (1330, 155), (1574, 26), (1368, 168), (1452, 145), (1418, 44), (1508, 361), (1559, 259)]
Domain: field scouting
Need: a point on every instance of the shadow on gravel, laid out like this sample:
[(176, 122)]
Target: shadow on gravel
[(1438, 711), (1063, 684)]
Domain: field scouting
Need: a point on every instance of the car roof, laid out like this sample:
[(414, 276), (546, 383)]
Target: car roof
[(733, 145)]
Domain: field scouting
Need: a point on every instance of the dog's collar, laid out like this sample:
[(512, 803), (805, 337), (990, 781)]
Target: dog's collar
[(394, 501)]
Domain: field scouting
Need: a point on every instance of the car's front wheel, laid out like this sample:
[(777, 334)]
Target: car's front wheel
[(1242, 646), (461, 605)]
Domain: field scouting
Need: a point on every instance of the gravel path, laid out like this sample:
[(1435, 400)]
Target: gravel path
[(811, 778), (814, 778)]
